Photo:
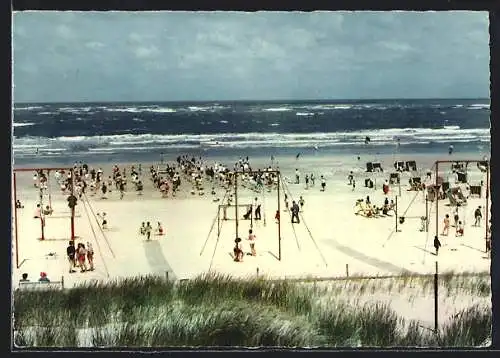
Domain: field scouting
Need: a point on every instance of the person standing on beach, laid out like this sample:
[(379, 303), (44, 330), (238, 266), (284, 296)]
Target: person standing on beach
[(257, 212), (104, 189), (446, 227), (477, 216), (82, 253), (251, 240), (301, 202), (70, 252), (307, 181), (312, 179), (148, 231), (437, 244), (295, 213), (122, 189), (277, 216), (142, 229), (286, 202), (323, 183), (297, 176), (353, 184)]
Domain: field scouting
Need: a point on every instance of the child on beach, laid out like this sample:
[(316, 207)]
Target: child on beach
[(323, 183), (312, 179), (297, 176), (446, 223), (19, 205), (307, 181), (251, 239), (477, 216), (277, 216), (43, 277), (142, 229), (237, 250), (159, 229), (104, 223), (459, 231), (456, 218)]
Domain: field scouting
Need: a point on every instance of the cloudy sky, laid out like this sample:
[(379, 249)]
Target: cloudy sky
[(169, 56)]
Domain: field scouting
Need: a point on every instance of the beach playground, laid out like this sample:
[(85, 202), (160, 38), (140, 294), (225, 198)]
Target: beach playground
[(338, 234)]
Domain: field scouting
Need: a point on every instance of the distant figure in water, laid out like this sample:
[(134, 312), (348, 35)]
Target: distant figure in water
[(297, 156), (367, 140), (450, 149)]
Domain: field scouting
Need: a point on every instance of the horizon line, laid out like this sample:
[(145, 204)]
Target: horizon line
[(257, 100)]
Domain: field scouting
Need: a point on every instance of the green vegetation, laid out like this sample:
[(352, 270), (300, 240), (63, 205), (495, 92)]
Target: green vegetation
[(216, 310)]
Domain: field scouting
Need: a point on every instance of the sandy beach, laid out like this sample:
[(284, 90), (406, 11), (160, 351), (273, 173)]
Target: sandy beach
[(330, 241)]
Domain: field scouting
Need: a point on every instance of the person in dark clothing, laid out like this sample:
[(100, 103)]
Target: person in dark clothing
[(257, 212), (295, 213), (437, 244), (70, 252), (478, 216)]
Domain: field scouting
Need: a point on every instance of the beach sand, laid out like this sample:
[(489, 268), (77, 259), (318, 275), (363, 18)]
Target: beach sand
[(330, 241)]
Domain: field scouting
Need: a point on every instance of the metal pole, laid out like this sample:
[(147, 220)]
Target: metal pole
[(436, 307), (73, 208), (218, 220), (236, 201), (396, 214), (279, 219), (437, 199), (426, 213), (15, 219), (487, 204)]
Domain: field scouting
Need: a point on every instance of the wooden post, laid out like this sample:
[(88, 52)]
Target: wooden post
[(62, 282), (279, 219), (347, 270), (426, 214), (257, 271), (487, 204), (236, 203), (15, 219), (396, 214), (73, 208), (436, 295), (437, 199), (166, 275)]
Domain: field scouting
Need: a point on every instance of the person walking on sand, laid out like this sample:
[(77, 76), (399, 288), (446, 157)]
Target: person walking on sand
[(148, 231), (104, 222), (297, 176), (90, 256), (122, 189), (312, 179), (142, 229), (251, 240), (277, 216), (459, 229), (353, 184), (323, 183), (437, 244), (104, 189), (307, 181), (70, 253), (456, 218), (257, 212), (477, 216), (446, 227), (82, 253), (301, 202), (295, 213)]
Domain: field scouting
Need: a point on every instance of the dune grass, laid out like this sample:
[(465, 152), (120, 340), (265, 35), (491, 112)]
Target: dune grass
[(217, 310)]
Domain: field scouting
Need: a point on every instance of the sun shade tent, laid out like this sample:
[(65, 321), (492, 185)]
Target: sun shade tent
[(482, 166), (399, 166), (374, 167), (458, 167), (411, 166), (462, 177), (394, 178)]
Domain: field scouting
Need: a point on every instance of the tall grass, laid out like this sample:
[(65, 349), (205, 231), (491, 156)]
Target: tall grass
[(217, 310)]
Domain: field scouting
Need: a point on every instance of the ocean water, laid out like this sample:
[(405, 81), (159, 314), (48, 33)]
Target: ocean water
[(65, 132)]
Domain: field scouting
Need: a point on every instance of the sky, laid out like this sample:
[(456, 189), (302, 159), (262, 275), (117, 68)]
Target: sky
[(210, 56)]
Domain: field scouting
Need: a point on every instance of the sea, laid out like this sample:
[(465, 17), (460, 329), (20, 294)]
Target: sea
[(129, 132)]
